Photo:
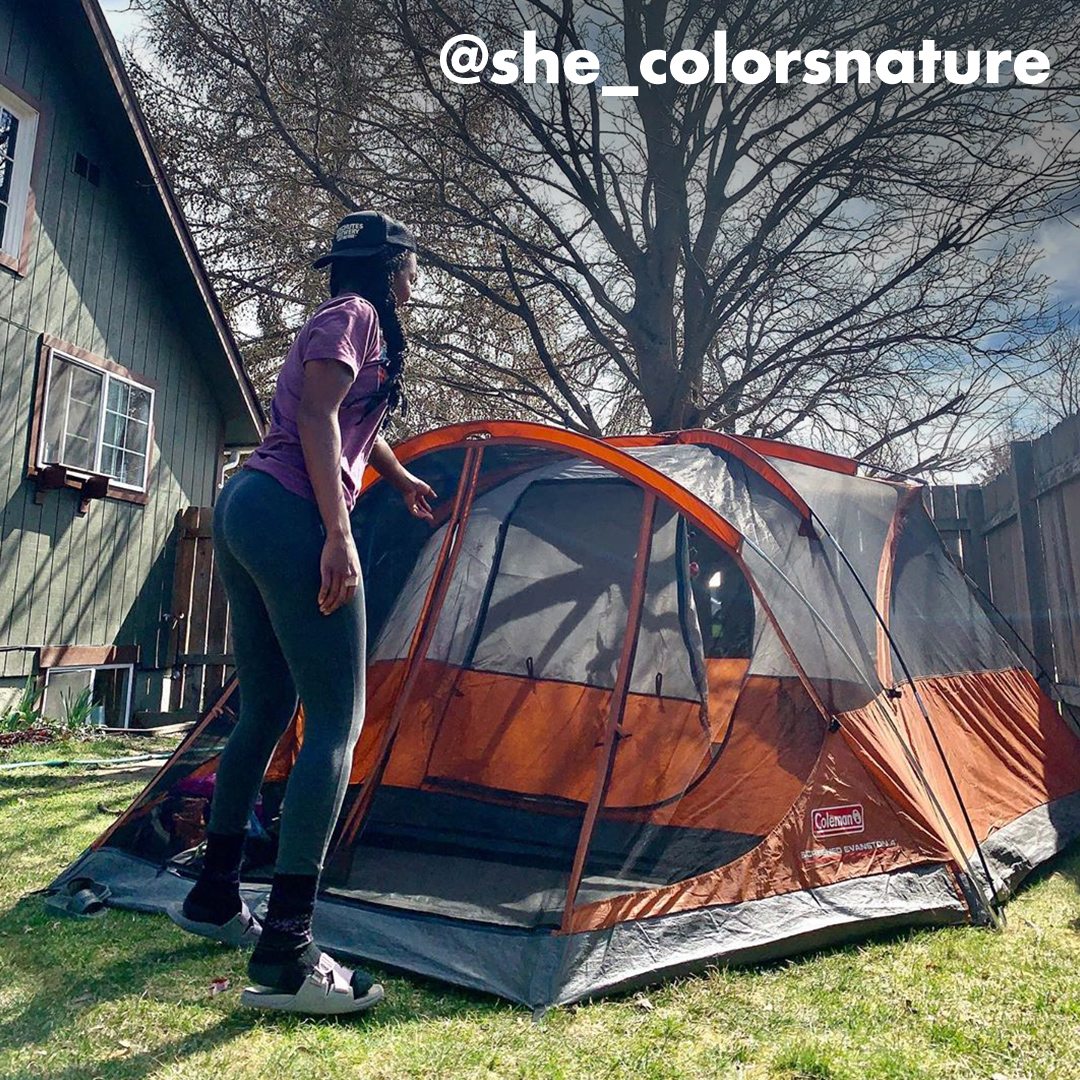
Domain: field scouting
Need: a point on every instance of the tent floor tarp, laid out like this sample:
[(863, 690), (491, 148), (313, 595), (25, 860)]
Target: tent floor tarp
[(540, 968), (442, 854)]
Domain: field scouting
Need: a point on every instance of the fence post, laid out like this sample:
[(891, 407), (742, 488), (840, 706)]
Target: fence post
[(180, 609), (1031, 551), (976, 564)]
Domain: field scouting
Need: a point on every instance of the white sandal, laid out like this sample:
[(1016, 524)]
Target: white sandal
[(242, 930), (327, 991)]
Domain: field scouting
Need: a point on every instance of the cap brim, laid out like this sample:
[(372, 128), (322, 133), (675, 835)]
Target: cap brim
[(358, 253)]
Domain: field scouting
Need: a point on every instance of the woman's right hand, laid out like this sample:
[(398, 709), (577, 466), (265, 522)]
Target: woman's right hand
[(340, 570)]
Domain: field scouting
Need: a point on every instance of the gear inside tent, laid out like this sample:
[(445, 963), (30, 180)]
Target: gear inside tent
[(640, 704)]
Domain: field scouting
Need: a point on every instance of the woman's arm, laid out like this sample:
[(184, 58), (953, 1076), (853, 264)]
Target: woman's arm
[(325, 384), (413, 490)]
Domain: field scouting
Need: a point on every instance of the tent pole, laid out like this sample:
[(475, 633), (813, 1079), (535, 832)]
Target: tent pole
[(996, 915), (425, 629), (891, 721), (135, 809), (619, 694)]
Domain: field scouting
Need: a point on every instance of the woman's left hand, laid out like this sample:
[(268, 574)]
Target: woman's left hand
[(416, 495)]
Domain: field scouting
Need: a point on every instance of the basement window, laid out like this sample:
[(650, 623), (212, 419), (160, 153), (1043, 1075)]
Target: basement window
[(95, 421), (100, 695), (18, 133)]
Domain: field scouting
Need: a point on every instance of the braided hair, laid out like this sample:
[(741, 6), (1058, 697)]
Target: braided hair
[(371, 277)]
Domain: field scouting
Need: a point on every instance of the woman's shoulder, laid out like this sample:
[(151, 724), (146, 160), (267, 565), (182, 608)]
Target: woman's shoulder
[(343, 323), (352, 305)]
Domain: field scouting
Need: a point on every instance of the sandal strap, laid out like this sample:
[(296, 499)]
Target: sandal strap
[(334, 976)]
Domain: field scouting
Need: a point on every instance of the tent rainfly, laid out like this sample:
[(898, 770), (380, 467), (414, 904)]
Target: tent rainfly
[(643, 703)]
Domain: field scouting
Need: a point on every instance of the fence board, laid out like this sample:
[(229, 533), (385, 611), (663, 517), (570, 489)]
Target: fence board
[(976, 564), (943, 509), (1019, 541), (1059, 513), (199, 649)]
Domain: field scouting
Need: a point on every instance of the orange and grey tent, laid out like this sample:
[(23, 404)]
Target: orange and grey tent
[(639, 704)]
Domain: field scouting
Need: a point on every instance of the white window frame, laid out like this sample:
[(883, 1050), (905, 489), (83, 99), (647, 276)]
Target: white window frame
[(18, 200), (99, 447), (68, 668)]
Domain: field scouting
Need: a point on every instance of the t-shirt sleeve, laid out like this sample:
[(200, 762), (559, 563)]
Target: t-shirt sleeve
[(342, 332)]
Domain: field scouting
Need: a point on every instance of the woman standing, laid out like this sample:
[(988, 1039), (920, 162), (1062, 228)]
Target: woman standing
[(286, 554)]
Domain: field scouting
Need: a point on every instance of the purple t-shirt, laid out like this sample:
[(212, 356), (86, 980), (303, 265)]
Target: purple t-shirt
[(346, 329)]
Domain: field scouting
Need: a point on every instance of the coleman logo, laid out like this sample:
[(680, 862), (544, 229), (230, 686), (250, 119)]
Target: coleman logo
[(837, 820)]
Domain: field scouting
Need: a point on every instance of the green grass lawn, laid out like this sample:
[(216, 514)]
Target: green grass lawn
[(129, 995)]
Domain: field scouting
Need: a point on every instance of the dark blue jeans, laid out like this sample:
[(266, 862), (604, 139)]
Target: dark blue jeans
[(267, 546)]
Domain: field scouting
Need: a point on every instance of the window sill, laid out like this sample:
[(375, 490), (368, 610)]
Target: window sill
[(89, 485), (16, 264)]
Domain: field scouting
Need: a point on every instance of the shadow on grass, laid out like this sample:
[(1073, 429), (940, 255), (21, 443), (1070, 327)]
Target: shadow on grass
[(119, 961), (20, 785), (142, 1064)]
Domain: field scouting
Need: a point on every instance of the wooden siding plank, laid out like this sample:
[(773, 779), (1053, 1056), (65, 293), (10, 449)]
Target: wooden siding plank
[(11, 516), (48, 286), (22, 290), (7, 34), (57, 607), (168, 360), (80, 549), (139, 614), (164, 538)]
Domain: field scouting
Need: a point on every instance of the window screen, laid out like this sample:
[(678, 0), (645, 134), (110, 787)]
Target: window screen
[(723, 601), (126, 433), (96, 422), (107, 693), (558, 602), (18, 134)]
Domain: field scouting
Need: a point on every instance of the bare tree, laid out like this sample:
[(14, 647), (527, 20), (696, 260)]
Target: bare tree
[(851, 263), (1056, 393)]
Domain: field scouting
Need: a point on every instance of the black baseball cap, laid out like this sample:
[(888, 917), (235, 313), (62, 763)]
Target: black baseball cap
[(366, 232)]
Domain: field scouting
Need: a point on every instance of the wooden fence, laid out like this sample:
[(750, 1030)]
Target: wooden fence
[(200, 649), (1018, 539)]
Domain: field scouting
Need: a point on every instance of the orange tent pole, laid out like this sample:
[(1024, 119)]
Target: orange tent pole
[(618, 705), (425, 629), (137, 810), (523, 433)]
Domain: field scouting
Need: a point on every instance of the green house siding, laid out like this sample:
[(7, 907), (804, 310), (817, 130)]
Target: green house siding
[(94, 281)]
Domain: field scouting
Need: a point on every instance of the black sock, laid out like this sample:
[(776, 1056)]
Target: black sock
[(286, 953), (215, 896)]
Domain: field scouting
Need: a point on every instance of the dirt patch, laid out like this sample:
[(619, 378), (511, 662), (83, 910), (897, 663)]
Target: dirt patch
[(26, 737)]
